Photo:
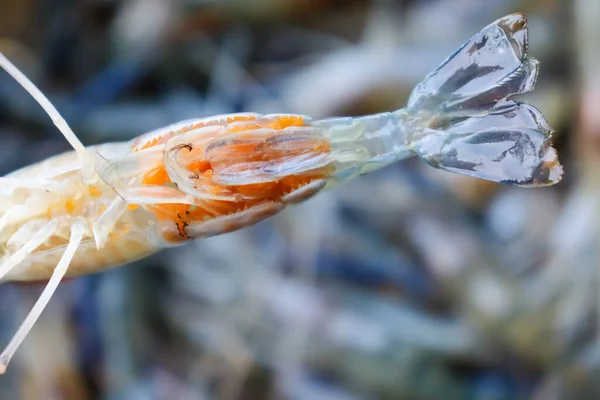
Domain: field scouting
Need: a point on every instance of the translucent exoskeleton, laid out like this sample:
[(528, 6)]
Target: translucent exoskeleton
[(100, 207)]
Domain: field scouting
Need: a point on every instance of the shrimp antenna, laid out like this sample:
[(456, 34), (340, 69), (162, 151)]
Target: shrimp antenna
[(85, 160), (77, 232)]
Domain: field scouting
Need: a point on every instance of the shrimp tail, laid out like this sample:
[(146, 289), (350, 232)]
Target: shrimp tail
[(466, 122)]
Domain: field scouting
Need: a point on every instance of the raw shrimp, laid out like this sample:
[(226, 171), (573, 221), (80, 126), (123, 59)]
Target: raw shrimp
[(100, 207)]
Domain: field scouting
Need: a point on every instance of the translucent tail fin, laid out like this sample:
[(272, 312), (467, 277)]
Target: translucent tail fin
[(470, 126)]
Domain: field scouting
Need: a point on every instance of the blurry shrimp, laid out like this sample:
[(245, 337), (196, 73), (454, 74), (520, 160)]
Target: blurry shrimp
[(100, 207)]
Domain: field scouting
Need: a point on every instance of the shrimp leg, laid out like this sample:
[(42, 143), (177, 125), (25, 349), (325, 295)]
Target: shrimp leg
[(103, 225), (18, 256), (5, 219), (229, 223), (8, 185), (77, 231), (85, 160)]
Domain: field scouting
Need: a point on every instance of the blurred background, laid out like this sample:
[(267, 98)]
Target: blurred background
[(408, 283)]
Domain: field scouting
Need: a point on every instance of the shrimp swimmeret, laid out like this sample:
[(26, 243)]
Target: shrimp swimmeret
[(100, 207)]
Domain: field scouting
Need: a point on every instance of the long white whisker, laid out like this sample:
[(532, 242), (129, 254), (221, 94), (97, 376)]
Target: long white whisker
[(77, 231), (85, 159)]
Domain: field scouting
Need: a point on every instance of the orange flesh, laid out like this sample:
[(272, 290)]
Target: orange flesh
[(70, 206), (183, 214), (94, 191)]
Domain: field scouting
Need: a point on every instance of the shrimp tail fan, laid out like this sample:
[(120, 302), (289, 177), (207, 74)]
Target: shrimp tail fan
[(467, 121)]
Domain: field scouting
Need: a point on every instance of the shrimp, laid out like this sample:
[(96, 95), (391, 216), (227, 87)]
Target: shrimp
[(99, 207)]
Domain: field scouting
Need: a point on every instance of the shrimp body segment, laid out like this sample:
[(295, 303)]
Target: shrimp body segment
[(100, 207)]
